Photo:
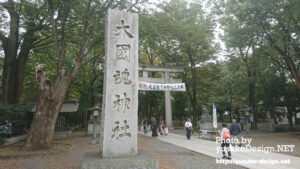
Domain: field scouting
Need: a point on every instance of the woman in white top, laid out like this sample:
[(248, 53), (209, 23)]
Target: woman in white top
[(225, 141), (188, 128)]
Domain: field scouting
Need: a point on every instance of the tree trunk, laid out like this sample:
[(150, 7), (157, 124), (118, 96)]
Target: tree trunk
[(16, 55), (192, 93), (50, 100), (288, 61), (13, 78), (251, 88), (231, 105), (42, 127), (10, 81), (194, 98), (252, 102), (293, 70), (290, 109), (51, 97)]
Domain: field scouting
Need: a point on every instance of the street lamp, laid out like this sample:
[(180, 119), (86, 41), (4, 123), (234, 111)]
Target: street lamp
[(96, 109)]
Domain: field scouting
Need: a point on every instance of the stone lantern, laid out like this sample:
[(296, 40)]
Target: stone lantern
[(95, 112)]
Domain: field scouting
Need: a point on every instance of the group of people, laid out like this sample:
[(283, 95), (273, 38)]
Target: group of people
[(225, 135), (156, 127), (5, 129), (160, 128), (244, 123)]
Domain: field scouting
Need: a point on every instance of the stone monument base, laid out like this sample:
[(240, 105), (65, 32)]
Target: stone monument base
[(142, 160), (206, 125), (91, 126)]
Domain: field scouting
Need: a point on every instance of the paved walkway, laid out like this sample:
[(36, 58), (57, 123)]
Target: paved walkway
[(175, 157), (263, 138), (243, 158)]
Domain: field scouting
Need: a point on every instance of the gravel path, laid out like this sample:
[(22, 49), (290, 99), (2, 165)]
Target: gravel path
[(170, 156), (69, 160)]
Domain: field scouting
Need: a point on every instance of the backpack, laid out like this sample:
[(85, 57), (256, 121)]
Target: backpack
[(226, 135)]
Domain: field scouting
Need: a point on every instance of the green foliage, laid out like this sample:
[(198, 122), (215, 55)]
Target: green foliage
[(2, 140), (151, 104), (178, 34), (179, 105), (74, 118)]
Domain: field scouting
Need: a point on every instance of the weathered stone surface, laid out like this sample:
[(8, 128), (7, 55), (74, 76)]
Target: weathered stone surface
[(120, 91), (143, 160), (168, 107), (14, 140), (62, 134), (206, 122), (91, 126)]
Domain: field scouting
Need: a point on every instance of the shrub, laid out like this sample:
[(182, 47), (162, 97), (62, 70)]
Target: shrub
[(2, 140), (20, 117)]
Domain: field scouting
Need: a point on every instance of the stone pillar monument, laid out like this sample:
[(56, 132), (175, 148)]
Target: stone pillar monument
[(119, 123), (206, 120), (120, 92), (168, 107)]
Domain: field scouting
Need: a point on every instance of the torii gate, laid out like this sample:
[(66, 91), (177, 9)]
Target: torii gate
[(173, 85)]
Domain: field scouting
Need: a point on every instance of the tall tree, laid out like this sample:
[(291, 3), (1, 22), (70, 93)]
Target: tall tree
[(252, 25), (191, 35), (241, 41), (26, 20), (275, 22), (184, 38), (77, 28), (149, 55)]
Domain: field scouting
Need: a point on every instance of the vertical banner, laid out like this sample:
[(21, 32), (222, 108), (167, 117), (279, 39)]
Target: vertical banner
[(215, 123)]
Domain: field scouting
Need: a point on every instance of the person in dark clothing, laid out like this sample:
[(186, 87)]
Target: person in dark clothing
[(154, 128), (145, 125), (242, 124), (234, 132)]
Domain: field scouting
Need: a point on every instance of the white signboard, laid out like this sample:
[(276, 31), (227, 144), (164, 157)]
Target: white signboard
[(161, 87), (215, 116)]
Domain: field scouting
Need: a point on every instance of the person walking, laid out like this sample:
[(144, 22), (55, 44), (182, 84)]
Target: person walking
[(235, 131), (188, 127), (154, 127), (225, 141)]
